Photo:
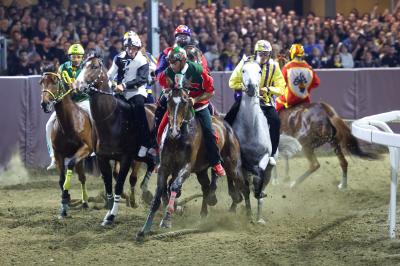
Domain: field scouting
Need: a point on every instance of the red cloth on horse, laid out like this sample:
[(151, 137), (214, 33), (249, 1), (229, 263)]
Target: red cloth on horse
[(300, 80)]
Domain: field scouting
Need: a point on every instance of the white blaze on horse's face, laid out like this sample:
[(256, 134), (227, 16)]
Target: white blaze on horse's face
[(251, 76), (175, 131)]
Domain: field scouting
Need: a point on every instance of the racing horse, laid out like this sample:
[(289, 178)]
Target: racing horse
[(251, 128), (72, 135), (183, 152), (314, 124), (116, 131)]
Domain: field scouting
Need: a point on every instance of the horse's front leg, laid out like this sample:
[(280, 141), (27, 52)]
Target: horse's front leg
[(160, 191), (65, 197), (125, 165), (175, 189), (82, 178), (106, 173), (260, 182), (146, 194)]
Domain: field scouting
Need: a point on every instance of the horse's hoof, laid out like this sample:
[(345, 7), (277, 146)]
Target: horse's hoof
[(212, 199), (232, 209), (203, 214), (85, 205), (261, 221), (342, 186), (292, 185), (140, 236), (147, 197), (62, 216), (108, 221), (166, 223)]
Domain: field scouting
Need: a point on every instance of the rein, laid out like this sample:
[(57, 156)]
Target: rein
[(57, 97)]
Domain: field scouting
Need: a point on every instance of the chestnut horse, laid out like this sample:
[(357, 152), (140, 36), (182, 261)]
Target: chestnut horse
[(116, 131), (72, 135), (314, 124), (183, 152)]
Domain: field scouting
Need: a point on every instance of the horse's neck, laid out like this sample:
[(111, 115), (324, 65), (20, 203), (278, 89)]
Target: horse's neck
[(250, 112), (102, 105), (66, 112)]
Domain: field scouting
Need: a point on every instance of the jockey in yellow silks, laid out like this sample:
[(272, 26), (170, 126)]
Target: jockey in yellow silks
[(271, 84), (300, 79)]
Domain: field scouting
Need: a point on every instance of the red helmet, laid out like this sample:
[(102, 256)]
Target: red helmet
[(183, 29)]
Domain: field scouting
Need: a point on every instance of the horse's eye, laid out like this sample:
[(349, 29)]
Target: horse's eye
[(259, 72), (95, 67), (243, 71)]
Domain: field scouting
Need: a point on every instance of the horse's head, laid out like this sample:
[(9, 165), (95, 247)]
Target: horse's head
[(179, 106), (92, 75), (52, 90), (251, 76)]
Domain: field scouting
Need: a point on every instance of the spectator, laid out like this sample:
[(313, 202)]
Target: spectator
[(368, 60), (314, 59), (345, 57), (212, 53), (23, 66)]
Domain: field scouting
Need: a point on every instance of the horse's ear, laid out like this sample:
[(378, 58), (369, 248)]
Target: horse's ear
[(244, 58)]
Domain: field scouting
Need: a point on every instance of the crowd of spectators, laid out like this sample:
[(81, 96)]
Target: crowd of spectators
[(43, 32)]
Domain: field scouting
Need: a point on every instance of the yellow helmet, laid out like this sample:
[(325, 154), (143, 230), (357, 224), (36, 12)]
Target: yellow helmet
[(296, 50), (262, 46), (76, 48)]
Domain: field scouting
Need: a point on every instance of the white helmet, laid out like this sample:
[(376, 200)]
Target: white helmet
[(132, 39)]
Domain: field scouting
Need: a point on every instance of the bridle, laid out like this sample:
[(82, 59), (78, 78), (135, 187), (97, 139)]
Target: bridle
[(97, 82), (61, 93)]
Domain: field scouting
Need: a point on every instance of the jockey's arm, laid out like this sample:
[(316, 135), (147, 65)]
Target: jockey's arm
[(208, 86), (142, 75), (162, 64), (235, 81), (204, 97), (278, 83), (315, 81)]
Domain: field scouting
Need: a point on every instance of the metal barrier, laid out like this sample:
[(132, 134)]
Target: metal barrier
[(374, 129)]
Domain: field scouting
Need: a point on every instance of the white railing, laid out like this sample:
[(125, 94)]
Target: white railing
[(374, 129)]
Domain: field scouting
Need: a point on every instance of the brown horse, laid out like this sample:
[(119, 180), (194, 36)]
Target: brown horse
[(314, 124), (72, 135), (183, 152), (116, 131)]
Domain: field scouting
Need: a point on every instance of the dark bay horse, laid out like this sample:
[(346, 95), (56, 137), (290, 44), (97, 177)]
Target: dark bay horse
[(314, 124), (183, 152), (72, 135), (116, 131)]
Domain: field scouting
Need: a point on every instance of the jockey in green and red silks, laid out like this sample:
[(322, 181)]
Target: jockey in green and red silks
[(201, 89)]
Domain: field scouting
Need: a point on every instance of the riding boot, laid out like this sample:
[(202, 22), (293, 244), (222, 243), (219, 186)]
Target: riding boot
[(231, 115), (214, 157), (274, 126)]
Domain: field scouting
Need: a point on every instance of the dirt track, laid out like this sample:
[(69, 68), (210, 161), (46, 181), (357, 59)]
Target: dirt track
[(313, 225)]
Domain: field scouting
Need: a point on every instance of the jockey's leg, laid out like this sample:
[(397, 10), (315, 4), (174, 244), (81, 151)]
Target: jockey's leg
[(160, 111), (204, 117), (141, 122), (231, 115), (49, 127), (274, 128)]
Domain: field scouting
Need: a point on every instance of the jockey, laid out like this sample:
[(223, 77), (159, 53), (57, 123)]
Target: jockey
[(300, 79), (131, 71), (201, 91), (68, 72), (271, 83), (183, 39)]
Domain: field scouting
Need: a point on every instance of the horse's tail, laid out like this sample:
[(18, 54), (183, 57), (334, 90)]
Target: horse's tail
[(288, 146), (344, 137)]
